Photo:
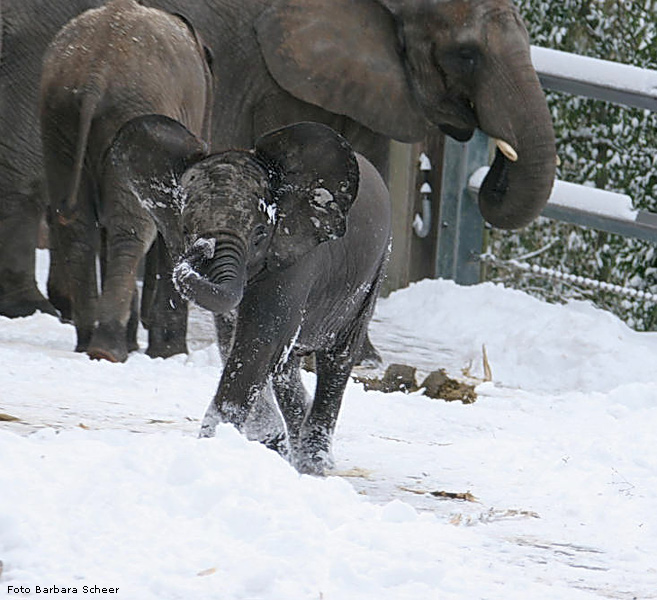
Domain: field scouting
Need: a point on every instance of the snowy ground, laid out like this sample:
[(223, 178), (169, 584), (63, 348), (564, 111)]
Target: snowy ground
[(104, 483)]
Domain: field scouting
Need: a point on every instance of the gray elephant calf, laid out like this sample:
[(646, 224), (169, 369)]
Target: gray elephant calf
[(295, 235), (103, 68)]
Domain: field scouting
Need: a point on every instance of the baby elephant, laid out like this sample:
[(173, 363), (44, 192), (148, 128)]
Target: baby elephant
[(103, 68), (294, 235)]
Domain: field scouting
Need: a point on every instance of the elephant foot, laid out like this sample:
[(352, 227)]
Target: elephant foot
[(102, 354), (279, 444), (316, 464), (26, 307), (84, 337), (23, 301), (164, 342), (312, 454), (108, 342), (265, 424)]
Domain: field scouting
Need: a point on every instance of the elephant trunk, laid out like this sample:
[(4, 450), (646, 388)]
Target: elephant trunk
[(213, 273), (520, 180)]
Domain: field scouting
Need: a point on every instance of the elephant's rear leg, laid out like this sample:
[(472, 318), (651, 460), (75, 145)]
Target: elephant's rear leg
[(74, 248), (166, 309), (110, 337), (313, 453), (129, 233), (333, 367)]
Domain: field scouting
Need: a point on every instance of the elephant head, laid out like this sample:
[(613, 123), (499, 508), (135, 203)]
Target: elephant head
[(229, 217), (403, 66)]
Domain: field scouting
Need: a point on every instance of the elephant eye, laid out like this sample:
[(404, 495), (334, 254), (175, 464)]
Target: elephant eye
[(469, 55), (463, 59)]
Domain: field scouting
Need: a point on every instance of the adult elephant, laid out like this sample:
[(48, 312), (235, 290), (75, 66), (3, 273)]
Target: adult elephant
[(371, 69), (26, 28)]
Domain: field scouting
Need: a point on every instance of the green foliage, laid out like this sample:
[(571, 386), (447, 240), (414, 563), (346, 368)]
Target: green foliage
[(599, 144)]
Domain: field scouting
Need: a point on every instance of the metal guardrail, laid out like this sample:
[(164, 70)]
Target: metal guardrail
[(590, 207), (596, 78), (461, 231)]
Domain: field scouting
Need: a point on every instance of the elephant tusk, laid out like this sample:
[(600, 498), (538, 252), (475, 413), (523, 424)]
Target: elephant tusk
[(507, 150), (558, 161)]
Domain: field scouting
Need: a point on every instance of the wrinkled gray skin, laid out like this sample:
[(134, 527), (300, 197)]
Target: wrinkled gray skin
[(296, 234), (371, 69), (102, 69)]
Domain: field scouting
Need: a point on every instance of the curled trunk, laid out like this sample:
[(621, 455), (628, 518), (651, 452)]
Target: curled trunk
[(511, 107), (213, 275), (515, 192)]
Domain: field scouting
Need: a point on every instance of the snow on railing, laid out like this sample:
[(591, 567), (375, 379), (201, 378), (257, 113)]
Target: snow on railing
[(596, 78), (577, 197), (590, 207)]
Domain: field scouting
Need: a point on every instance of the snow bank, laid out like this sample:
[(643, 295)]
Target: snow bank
[(168, 516), (530, 344)]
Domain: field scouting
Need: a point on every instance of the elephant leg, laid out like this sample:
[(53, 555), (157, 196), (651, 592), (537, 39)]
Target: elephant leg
[(60, 293), (75, 238), (133, 322), (333, 368), (167, 312), (129, 232), (242, 384), (20, 216), (149, 284), (313, 449), (264, 423), (293, 398), (110, 337), (259, 336), (74, 248)]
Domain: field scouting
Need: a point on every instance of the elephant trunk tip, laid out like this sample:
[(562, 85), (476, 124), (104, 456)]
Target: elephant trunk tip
[(514, 193), (217, 297)]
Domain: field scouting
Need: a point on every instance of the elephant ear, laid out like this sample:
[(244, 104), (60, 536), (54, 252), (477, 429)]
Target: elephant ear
[(342, 55), (314, 177), (149, 154)]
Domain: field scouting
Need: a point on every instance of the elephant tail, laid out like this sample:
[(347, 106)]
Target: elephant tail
[(90, 100)]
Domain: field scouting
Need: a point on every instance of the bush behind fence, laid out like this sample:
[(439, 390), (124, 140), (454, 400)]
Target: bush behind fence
[(600, 144)]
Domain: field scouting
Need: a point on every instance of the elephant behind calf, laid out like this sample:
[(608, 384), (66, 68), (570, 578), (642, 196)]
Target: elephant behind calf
[(294, 236), (371, 69), (103, 68)]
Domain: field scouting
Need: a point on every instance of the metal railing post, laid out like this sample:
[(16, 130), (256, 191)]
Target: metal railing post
[(461, 229)]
